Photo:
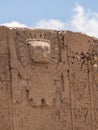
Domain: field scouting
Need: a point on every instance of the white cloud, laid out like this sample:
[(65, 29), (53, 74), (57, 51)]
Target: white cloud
[(51, 24), (14, 24), (85, 21)]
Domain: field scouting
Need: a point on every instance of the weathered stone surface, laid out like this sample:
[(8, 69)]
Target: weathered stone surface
[(48, 80)]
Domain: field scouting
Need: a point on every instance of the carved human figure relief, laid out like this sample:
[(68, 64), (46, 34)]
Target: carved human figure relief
[(41, 85)]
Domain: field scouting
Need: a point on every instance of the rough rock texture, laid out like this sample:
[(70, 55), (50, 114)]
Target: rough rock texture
[(48, 80)]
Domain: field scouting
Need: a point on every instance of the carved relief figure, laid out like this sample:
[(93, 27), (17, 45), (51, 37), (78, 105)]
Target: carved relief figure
[(38, 71)]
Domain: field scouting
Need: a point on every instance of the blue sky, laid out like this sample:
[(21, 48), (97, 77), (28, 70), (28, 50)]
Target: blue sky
[(75, 15)]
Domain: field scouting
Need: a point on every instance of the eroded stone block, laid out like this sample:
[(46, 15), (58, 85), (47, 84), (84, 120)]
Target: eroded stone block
[(48, 80)]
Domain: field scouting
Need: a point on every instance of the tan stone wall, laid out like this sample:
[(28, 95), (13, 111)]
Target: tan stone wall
[(48, 80)]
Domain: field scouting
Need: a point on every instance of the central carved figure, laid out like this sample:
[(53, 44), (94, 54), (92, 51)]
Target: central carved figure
[(40, 82), (41, 87)]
